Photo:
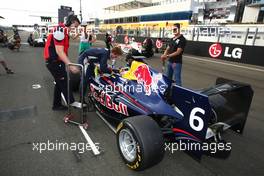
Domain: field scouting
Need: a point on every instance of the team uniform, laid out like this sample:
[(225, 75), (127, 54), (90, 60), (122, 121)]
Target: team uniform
[(84, 43), (174, 64), (55, 65), (102, 55)]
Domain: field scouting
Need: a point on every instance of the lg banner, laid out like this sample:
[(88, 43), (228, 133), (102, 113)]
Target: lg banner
[(216, 49)]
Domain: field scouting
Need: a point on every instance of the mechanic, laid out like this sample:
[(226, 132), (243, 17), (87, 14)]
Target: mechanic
[(3, 37), (148, 45), (56, 57), (86, 40), (3, 63), (15, 43), (174, 55), (108, 41), (30, 39), (102, 55)]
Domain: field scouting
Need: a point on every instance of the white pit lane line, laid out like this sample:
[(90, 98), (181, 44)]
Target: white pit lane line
[(223, 63), (89, 140), (87, 137)]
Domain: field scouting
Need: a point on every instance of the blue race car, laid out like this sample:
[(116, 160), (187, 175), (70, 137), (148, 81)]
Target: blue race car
[(150, 114)]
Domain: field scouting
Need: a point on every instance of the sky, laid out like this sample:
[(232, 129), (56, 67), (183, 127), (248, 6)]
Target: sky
[(28, 11)]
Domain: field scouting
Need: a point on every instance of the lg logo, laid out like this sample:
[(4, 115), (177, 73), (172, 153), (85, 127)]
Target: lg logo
[(215, 50), (236, 53), (159, 43)]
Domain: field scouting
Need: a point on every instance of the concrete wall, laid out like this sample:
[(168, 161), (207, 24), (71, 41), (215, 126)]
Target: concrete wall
[(229, 52)]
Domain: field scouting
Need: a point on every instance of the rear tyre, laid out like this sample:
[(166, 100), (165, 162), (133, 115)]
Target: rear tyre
[(140, 142)]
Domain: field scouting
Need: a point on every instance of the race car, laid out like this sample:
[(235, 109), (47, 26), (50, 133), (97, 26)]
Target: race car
[(148, 112), (144, 49)]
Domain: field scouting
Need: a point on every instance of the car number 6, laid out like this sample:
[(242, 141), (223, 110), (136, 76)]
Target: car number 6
[(194, 117)]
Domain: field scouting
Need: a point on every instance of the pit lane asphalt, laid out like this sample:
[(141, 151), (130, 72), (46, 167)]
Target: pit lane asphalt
[(36, 122)]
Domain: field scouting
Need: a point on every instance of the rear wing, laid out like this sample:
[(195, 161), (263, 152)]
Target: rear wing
[(230, 101), (196, 111)]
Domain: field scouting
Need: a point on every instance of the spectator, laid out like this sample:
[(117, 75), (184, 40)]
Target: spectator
[(173, 55)]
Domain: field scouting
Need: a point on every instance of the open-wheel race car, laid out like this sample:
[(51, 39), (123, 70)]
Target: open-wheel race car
[(150, 111)]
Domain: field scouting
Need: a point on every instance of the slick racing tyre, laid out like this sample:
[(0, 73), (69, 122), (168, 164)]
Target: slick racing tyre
[(140, 142)]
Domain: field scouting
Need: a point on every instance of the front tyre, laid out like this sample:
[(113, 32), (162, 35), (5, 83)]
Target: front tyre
[(140, 142)]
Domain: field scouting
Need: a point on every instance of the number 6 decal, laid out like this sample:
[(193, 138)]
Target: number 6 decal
[(193, 117)]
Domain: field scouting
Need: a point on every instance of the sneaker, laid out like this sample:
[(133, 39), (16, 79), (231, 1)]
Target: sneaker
[(60, 108), (9, 71)]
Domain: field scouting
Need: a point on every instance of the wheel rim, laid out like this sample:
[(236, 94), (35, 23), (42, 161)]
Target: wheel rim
[(127, 145)]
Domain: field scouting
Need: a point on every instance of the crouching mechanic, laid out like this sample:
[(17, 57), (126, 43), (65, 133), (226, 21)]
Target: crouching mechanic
[(101, 56), (56, 57)]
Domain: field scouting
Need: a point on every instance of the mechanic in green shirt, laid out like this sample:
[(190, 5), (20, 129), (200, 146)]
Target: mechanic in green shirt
[(86, 41)]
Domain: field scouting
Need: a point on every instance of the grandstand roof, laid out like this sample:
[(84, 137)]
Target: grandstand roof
[(132, 4)]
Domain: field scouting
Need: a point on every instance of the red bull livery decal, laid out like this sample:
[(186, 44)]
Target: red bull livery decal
[(144, 77), (106, 100)]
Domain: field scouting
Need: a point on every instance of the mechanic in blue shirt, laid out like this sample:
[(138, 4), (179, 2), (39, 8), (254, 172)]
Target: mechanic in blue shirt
[(102, 55)]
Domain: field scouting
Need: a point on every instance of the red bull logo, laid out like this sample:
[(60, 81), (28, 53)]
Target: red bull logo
[(143, 75)]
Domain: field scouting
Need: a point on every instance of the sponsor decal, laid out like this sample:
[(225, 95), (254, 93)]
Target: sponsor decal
[(215, 50), (159, 44), (144, 77), (236, 53), (107, 101), (142, 73)]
